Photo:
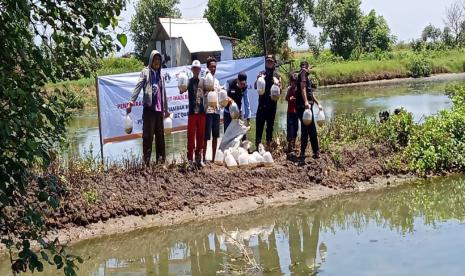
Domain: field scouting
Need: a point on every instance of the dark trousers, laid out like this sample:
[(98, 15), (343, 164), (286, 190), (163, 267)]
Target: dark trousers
[(265, 115), (226, 120), (292, 126), (153, 126), (306, 133)]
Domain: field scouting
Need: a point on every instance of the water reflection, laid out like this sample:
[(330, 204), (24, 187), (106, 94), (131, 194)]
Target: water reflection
[(400, 231)]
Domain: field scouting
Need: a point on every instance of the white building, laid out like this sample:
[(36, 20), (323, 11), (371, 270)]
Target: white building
[(182, 40)]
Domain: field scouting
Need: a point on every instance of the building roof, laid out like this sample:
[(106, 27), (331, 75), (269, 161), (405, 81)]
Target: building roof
[(197, 34), (228, 38)]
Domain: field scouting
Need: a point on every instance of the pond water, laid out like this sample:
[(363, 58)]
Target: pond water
[(415, 229), (422, 97)]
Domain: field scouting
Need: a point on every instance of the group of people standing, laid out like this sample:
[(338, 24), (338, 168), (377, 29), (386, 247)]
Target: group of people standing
[(204, 119)]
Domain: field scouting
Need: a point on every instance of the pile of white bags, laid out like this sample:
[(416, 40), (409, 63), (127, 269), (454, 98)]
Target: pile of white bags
[(239, 157)]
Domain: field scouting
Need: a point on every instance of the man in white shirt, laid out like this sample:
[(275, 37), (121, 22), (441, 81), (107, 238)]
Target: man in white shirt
[(212, 127)]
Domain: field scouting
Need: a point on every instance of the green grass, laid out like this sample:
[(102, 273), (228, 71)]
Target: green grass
[(330, 70), (85, 88), (360, 71)]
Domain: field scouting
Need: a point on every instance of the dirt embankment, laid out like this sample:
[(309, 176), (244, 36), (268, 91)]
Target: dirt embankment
[(118, 193)]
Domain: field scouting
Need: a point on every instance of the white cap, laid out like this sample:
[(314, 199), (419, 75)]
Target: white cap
[(196, 63)]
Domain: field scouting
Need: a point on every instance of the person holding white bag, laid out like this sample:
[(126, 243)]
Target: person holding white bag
[(237, 93), (267, 106), (305, 100), (155, 107), (212, 121)]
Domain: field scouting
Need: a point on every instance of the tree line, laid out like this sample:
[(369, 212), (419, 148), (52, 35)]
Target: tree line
[(345, 28)]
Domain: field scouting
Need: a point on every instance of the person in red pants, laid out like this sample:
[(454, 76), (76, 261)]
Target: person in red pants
[(196, 117)]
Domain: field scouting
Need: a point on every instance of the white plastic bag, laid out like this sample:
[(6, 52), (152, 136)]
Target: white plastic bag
[(212, 99), (233, 135), (223, 98), (235, 153), (234, 111), (182, 82), (244, 160), (252, 161), (321, 119), (209, 82), (307, 117), (275, 92), (258, 157), (219, 157), (242, 151), (128, 125), (246, 145), (168, 124), (230, 162), (261, 86), (268, 159), (261, 149)]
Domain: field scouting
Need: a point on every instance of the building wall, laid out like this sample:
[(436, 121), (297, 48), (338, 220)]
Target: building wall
[(227, 53), (182, 56)]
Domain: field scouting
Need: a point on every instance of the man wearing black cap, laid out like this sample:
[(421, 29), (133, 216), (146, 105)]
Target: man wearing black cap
[(266, 111), (305, 100)]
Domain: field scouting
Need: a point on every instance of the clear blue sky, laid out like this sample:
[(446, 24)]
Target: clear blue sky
[(407, 18)]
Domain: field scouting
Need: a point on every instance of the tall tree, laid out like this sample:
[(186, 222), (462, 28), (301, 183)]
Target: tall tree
[(431, 34), (146, 17), (455, 19), (32, 121), (315, 44), (376, 33), (242, 20), (341, 21), (229, 18), (447, 38)]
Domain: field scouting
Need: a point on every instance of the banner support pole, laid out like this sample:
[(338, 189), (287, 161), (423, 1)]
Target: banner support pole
[(99, 120)]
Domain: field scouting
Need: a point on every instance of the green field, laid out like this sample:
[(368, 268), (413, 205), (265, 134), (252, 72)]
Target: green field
[(387, 66)]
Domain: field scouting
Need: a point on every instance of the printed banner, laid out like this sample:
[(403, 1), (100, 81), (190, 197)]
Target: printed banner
[(115, 91)]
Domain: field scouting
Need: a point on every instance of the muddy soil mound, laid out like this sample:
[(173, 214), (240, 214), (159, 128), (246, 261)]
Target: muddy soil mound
[(118, 193)]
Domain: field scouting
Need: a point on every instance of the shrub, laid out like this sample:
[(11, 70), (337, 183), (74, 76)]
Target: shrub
[(439, 144), (419, 66), (347, 128), (396, 131)]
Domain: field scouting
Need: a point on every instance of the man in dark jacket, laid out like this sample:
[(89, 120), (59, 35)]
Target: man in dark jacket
[(266, 111), (305, 100), (155, 107), (237, 93)]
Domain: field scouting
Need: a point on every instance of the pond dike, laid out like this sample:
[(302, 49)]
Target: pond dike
[(121, 200)]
